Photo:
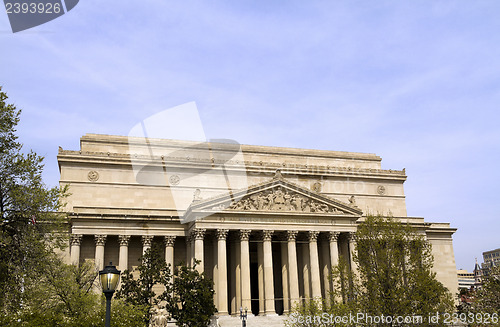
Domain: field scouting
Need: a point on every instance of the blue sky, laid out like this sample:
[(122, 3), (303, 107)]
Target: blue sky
[(416, 82)]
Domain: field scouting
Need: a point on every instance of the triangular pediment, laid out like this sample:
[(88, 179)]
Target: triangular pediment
[(276, 195)]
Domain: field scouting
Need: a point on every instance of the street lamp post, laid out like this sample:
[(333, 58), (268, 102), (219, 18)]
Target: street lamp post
[(243, 317), (109, 277)]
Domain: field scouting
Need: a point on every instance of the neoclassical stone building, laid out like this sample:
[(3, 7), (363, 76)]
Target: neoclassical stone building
[(267, 223)]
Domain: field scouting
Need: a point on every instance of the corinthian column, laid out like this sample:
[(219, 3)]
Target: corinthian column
[(222, 271), (100, 241), (313, 255), (169, 251), (284, 277), (334, 248), (75, 242), (293, 272), (245, 269), (198, 235), (146, 242), (268, 273), (334, 255), (352, 245), (325, 266), (123, 255), (188, 251)]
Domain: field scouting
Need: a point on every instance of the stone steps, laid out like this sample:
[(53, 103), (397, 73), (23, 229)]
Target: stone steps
[(253, 321)]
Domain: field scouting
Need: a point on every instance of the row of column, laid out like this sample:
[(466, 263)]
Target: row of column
[(100, 242), (289, 270), (290, 275)]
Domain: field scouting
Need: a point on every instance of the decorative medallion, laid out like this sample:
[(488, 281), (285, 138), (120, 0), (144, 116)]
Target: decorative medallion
[(381, 189), (93, 175), (316, 187), (174, 180)]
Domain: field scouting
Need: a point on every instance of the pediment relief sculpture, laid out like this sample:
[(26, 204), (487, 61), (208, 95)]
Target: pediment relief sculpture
[(280, 199)]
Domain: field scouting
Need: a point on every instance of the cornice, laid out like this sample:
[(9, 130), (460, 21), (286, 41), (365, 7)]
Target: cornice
[(251, 149), (290, 169)]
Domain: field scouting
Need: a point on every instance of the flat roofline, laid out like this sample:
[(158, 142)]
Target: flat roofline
[(491, 251), (117, 139)]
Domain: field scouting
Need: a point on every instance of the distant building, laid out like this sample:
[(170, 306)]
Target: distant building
[(478, 276), (465, 279), (491, 259)]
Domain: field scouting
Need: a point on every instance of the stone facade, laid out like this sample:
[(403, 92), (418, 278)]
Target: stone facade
[(266, 223)]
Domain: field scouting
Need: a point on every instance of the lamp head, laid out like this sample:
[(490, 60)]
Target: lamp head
[(109, 276)]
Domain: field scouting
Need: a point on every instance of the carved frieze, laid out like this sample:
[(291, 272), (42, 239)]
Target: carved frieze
[(280, 199)]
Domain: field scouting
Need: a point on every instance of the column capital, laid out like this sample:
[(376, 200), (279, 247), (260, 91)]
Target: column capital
[(333, 236), (169, 240), (222, 234), (75, 239), (198, 234), (123, 239), (292, 235), (267, 235), (244, 234), (146, 240), (351, 236), (313, 236), (100, 239)]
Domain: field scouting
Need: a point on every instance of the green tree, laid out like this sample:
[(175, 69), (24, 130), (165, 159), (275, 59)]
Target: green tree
[(65, 296), (487, 301), (190, 297), (395, 271), (37, 288), (30, 224), (139, 292), (394, 278)]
